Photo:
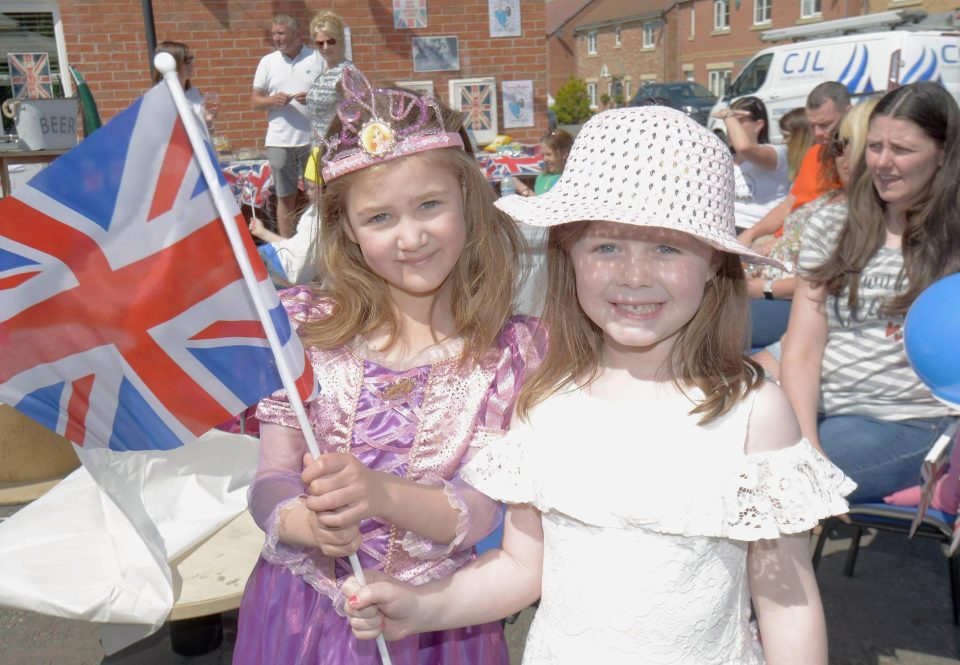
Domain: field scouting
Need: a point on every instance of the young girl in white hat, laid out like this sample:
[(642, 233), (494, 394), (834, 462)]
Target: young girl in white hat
[(656, 483)]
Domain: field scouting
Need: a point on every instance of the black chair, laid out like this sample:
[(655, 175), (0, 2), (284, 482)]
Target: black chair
[(919, 520)]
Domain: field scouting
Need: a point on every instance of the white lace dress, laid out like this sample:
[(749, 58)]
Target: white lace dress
[(646, 521)]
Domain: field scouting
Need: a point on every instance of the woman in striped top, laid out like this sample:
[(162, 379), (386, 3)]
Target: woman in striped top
[(843, 364)]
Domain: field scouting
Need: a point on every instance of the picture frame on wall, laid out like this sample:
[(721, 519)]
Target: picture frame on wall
[(409, 14), (422, 87), (477, 99), (504, 18), (517, 104), (436, 54)]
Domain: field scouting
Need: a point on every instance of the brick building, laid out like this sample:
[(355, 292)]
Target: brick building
[(620, 44), (105, 40)]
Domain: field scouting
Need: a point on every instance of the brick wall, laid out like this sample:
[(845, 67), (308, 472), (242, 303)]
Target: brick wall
[(630, 61), (105, 41), (706, 48)]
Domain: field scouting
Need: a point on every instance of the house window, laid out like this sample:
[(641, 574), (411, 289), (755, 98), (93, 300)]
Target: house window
[(721, 14), (809, 8), (693, 21), (616, 37), (34, 28), (627, 89), (762, 11), (591, 43), (592, 94), (649, 36), (718, 80)]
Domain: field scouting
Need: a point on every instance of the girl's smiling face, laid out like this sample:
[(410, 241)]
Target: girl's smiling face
[(640, 285), (407, 217)]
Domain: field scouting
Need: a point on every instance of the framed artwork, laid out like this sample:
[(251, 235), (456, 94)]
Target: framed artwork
[(477, 99), (409, 14), (30, 75), (436, 54), (517, 103), (424, 87), (504, 18)]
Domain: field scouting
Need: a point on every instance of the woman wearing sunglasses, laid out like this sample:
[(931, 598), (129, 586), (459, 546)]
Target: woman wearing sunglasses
[(327, 29), (205, 110)]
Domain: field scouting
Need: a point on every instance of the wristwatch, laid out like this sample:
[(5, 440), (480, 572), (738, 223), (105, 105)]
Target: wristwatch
[(768, 289)]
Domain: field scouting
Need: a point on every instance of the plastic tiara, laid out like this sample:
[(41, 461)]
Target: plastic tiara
[(362, 143)]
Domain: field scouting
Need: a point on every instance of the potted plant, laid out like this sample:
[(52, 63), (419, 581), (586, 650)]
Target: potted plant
[(572, 105)]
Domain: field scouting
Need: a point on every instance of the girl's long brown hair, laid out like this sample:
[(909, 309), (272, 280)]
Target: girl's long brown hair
[(482, 284), (708, 353), (931, 237)]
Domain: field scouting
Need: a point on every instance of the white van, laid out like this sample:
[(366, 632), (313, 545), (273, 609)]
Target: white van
[(867, 63)]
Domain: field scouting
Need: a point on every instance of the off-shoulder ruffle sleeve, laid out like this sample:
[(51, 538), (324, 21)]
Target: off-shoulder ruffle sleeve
[(751, 498), (302, 307)]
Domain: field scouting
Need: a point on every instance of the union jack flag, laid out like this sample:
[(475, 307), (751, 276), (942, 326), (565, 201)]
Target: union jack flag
[(124, 320), (475, 102), (30, 75)]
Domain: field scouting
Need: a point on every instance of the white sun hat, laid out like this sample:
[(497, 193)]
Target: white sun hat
[(647, 166)]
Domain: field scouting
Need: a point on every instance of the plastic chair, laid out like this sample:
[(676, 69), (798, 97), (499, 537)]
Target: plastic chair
[(919, 520)]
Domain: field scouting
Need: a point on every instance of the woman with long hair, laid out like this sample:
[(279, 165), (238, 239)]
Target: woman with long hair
[(844, 366)]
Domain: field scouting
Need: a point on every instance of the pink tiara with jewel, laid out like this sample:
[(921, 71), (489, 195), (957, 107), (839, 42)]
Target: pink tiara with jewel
[(362, 143)]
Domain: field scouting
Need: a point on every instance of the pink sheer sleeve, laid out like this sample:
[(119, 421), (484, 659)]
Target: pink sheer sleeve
[(277, 480), (522, 344)]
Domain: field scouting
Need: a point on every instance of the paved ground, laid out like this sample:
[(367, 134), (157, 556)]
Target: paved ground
[(895, 611)]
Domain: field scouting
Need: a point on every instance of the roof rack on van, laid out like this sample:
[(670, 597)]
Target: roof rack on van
[(842, 26)]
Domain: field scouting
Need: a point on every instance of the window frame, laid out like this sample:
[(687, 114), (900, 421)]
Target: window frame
[(764, 7), (592, 94), (721, 19), (806, 11), (649, 35), (617, 37), (718, 80), (53, 8), (592, 42)]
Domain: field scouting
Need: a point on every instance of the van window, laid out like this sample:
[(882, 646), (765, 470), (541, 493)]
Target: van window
[(751, 78)]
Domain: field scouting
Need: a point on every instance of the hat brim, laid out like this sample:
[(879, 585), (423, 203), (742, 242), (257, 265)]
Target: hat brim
[(548, 209)]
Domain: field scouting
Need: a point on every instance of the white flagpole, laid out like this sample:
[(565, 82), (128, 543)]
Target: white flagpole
[(167, 66)]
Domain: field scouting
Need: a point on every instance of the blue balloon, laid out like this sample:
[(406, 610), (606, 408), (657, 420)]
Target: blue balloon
[(931, 338)]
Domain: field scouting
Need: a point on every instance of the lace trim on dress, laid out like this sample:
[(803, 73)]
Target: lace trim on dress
[(296, 559), (423, 548), (766, 495), (786, 491)]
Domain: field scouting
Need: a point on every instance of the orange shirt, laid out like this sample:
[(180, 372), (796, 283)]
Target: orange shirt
[(809, 183)]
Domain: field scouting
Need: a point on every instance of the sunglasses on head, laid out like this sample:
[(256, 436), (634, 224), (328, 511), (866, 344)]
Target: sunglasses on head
[(188, 60), (326, 42)]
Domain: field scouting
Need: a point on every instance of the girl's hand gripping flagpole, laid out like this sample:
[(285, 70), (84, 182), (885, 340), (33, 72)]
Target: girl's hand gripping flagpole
[(167, 66)]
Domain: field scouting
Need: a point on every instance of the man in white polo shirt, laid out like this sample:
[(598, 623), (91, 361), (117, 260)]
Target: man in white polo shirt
[(280, 88)]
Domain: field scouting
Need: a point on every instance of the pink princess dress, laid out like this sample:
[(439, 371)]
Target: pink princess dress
[(424, 421)]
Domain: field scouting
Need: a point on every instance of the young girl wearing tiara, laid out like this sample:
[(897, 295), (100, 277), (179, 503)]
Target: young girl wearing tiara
[(419, 361), (657, 484)]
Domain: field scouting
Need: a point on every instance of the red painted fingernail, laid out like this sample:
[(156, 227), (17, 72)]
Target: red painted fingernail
[(353, 600)]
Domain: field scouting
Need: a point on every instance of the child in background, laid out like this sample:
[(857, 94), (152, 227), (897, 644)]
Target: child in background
[(419, 359), (657, 484), (554, 146)]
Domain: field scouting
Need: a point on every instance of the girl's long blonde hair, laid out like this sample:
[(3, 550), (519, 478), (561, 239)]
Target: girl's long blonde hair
[(482, 283), (708, 352)]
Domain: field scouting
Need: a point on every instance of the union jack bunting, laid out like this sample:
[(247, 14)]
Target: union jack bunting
[(124, 320), (500, 165), (30, 75)]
